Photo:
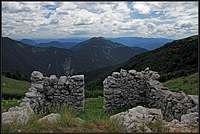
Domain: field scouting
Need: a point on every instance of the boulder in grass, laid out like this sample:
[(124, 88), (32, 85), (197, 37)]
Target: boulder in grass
[(51, 118), (19, 115), (138, 117)]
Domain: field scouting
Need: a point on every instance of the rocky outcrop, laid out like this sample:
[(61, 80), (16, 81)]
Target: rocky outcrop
[(52, 118), (191, 118), (46, 92), (195, 98), (19, 115), (137, 118), (128, 89), (140, 119), (189, 122)]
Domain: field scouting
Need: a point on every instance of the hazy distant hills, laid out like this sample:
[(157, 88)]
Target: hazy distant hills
[(174, 59), (85, 56), (147, 43), (28, 41), (58, 44)]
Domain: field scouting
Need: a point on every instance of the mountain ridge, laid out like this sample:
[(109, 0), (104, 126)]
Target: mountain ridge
[(142, 42), (169, 60), (147, 43), (25, 58)]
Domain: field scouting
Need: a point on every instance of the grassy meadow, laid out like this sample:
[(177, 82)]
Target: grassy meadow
[(94, 118), (187, 84), (12, 88)]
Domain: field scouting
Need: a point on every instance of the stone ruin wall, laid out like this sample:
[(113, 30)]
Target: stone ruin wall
[(128, 89), (46, 92)]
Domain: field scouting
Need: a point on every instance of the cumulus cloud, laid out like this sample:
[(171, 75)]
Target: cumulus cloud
[(142, 8), (63, 19)]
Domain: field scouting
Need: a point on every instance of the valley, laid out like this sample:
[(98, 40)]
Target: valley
[(91, 54), (98, 58), (99, 67)]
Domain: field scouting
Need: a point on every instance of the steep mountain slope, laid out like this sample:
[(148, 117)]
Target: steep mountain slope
[(25, 58), (147, 43), (89, 55), (178, 58), (98, 52), (174, 59)]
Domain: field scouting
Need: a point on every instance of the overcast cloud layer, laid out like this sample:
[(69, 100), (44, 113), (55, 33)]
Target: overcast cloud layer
[(108, 19)]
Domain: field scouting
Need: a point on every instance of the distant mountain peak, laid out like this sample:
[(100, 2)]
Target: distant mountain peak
[(98, 38), (98, 42)]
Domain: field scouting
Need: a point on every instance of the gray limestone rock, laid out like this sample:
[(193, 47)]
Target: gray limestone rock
[(78, 77), (53, 79), (116, 74), (123, 72), (51, 118), (132, 72), (195, 98), (19, 115), (47, 91), (143, 88), (36, 76), (138, 117), (191, 118), (62, 80)]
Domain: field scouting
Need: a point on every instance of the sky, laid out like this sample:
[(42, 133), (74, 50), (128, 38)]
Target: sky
[(107, 19)]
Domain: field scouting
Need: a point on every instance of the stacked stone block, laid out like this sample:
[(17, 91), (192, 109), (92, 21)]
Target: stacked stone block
[(46, 92), (128, 89)]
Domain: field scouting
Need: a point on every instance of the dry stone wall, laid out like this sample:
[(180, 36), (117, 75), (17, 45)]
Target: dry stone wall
[(128, 89), (46, 92)]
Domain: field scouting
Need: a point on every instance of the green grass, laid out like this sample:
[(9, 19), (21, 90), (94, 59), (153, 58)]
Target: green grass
[(6, 104), (12, 88), (187, 84), (93, 110), (93, 89), (95, 120)]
